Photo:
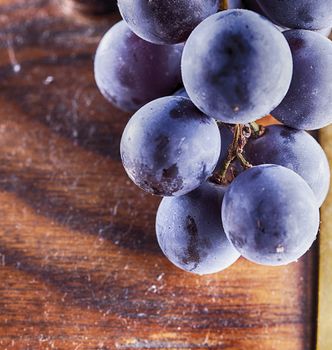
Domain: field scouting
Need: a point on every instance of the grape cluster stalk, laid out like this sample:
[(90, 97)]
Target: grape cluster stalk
[(199, 75)]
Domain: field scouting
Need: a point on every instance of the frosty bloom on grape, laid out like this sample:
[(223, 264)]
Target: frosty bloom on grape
[(169, 147), (131, 72), (236, 66), (190, 233)]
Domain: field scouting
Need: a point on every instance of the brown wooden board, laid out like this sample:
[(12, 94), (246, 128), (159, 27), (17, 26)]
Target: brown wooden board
[(324, 334), (80, 268)]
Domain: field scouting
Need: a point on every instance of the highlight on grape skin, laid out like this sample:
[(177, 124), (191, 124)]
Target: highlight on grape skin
[(270, 215), (293, 149), (165, 21), (308, 102), (226, 66), (169, 147), (189, 231), (131, 72)]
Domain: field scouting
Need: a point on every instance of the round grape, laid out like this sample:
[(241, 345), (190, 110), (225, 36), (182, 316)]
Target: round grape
[(165, 21), (190, 233), (293, 149), (131, 72), (270, 215), (308, 103), (300, 14), (169, 147), (227, 66)]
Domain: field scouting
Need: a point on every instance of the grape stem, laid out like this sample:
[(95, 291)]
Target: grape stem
[(224, 4), (257, 130), (241, 135)]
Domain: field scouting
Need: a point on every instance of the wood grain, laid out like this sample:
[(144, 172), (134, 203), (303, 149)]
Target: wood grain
[(324, 338), (80, 266), (90, 7)]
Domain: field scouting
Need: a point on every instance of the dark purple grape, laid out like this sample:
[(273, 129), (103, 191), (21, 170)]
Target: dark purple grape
[(253, 5), (293, 149), (300, 14), (165, 21), (235, 4), (270, 215), (131, 72), (169, 147), (226, 66), (308, 103), (190, 232)]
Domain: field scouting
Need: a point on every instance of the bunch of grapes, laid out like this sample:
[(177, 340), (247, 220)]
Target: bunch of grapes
[(230, 186)]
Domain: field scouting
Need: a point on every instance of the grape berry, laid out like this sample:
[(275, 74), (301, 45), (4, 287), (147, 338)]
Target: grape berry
[(169, 147), (231, 187), (165, 21), (190, 231), (131, 72), (293, 149), (225, 70), (270, 215), (308, 103)]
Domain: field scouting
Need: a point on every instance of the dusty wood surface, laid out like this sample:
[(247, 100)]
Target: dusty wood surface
[(324, 335), (80, 268)]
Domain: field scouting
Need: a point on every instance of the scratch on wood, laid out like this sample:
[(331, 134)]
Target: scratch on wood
[(12, 56)]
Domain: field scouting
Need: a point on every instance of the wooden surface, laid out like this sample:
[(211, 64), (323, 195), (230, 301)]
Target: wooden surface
[(80, 268), (324, 335)]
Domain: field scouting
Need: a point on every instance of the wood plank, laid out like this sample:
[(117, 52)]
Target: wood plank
[(324, 338), (80, 266)]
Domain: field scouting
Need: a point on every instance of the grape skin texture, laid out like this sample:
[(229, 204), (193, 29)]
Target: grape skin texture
[(165, 21), (226, 139), (229, 62), (293, 149), (253, 5), (234, 4), (308, 103), (270, 215), (325, 32), (226, 136), (130, 72), (299, 14), (189, 231), (169, 147)]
